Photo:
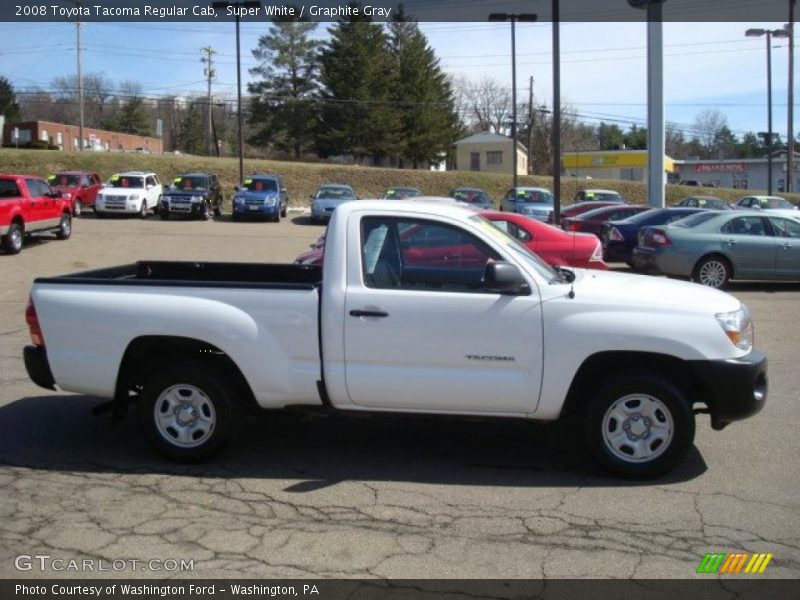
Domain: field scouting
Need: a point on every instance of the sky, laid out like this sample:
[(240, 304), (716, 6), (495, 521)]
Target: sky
[(603, 65)]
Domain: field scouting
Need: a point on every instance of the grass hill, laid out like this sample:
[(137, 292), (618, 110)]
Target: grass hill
[(302, 179)]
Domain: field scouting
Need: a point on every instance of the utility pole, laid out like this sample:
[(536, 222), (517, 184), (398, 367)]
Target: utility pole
[(209, 72), (790, 158), (80, 77), (556, 130), (530, 126)]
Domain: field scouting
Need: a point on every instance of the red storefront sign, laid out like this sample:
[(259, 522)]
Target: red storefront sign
[(721, 168)]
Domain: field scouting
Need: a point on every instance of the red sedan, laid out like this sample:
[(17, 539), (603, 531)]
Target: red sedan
[(554, 246)]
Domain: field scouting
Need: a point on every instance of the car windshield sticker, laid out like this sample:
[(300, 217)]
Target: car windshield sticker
[(115, 178), (248, 181), (177, 179)]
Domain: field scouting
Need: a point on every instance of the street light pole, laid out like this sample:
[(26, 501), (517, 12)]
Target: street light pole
[(556, 129), (529, 18), (769, 33), (790, 113), (237, 6)]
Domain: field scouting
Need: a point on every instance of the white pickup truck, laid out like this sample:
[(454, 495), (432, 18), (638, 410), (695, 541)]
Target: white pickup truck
[(419, 308)]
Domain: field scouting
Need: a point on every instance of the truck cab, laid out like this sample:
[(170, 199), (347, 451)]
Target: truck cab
[(28, 205)]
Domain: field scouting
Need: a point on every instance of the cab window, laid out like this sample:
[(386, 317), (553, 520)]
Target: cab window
[(415, 254), (8, 189), (786, 228), (744, 226)]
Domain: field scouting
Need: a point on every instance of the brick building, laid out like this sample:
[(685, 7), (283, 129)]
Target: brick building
[(66, 137)]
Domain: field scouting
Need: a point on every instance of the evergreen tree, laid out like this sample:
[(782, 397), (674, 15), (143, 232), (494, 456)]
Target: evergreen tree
[(191, 138), (422, 95), (358, 76), (8, 101), (610, 137), (283, 99)]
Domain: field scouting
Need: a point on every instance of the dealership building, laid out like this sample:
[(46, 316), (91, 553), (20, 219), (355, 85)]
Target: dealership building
[(627, 165), (741, 174)]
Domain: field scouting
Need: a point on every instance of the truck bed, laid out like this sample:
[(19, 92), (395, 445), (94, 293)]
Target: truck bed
[(198, 274)]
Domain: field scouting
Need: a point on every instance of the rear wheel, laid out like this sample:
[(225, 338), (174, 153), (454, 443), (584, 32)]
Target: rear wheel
[(12, 242), (713, 271), (188, 411), (64, 227), (143, 210), (639, 425)]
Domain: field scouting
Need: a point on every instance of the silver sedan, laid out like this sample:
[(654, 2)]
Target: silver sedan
[(714, 247)]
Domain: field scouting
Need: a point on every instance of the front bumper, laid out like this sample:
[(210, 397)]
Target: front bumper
[(255, 210), (117, 208), (173, 207), (735, 388), (37, 367)]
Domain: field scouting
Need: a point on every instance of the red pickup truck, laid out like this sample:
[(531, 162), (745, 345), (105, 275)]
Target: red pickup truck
[(28, 205), (78, 187)]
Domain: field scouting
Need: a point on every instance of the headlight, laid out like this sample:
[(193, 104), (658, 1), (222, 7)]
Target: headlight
[(738, 326), (238, 200), (270, 201), (196, 198), (133, 197)]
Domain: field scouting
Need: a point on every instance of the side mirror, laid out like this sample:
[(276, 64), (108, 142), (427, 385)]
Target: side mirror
[(236, 188), (504, 278), (283, 190)]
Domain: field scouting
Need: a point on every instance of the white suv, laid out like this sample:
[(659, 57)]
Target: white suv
[(131, 192)]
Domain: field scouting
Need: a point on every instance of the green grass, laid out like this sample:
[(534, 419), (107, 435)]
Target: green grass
[(302, 179)]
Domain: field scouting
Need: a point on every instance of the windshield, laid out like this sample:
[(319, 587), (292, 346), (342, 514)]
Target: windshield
[(470, 196), (123, 181), (62, 180), (335, 193), (696, 219), (508, 242), (534, 196), (604, 196), (775, 203), (260, 185), (189, 183), (400, 193)]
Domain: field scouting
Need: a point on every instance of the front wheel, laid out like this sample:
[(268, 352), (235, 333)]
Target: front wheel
[(143, 210), (639, 425), (12, 242), (77, 209), (188, 411), (713, 271), (64, 227), (205, 212)]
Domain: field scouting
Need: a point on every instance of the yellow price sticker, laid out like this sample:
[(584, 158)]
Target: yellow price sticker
[(115, 178), (177, 180), (248, 181)]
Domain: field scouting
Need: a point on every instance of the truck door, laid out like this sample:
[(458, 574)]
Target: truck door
[(43, 207), (427, 335)]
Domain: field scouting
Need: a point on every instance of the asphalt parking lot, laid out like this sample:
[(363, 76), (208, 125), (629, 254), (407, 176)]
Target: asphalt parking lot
[(306, 496)]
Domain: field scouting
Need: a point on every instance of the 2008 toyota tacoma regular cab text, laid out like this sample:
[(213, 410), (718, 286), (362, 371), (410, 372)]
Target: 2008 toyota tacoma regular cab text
[(457, 319)]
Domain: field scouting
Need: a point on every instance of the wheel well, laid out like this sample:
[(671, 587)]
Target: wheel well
[(604, 364), (717, 255), (19, 221), (148, 352)]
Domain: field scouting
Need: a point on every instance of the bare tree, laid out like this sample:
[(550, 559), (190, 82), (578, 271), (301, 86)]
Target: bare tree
[(708, 125), (97, 93), (486, 104)]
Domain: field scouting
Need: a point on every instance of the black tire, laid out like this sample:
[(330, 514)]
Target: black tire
[(164, 214), (235, 217), (64, 227), (77, 208), (217, 391), (143, 209), (99, 214), (14, 239), (713, 270), (285, 210), (205, 213), (666, 450), (218, 208)]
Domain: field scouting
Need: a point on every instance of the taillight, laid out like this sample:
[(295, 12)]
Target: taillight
[(574, 226), (660, 238), (615, 235), (33, 324)]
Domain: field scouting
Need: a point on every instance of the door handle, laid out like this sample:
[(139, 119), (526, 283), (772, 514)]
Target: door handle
[(368, 313), (787, 246), (732, 242)]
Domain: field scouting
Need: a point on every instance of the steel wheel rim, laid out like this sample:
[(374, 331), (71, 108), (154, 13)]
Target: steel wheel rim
[(77, 208), (184, 416), (637, 428), (712, 273), (16, 239), (66, 226)]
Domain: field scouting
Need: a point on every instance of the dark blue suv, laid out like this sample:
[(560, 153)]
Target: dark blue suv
[(261, 196)]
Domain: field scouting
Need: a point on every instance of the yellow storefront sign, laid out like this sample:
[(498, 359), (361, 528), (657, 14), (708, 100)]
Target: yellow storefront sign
[(624, 159)]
